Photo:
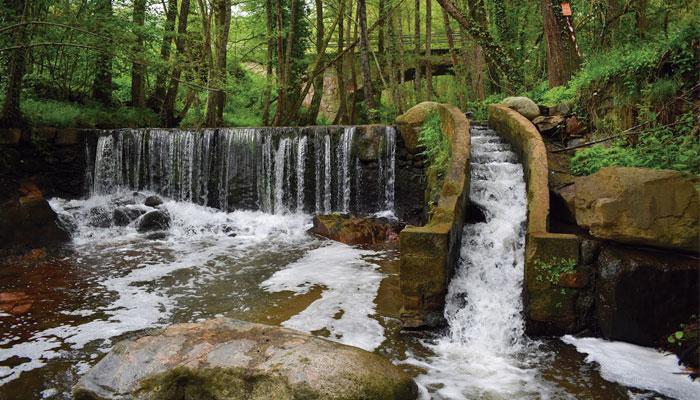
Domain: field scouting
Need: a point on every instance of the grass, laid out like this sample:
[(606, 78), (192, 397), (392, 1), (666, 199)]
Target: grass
[(58, 114), (437, 150)]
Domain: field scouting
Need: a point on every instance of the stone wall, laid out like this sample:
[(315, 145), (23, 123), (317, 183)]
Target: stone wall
[(430, 253), (582, 284), (547, 304)]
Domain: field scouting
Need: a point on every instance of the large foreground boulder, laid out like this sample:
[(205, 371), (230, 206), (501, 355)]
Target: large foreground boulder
[(156, 220), (229, 359), (658, 208), (353, 230), (523, 105)]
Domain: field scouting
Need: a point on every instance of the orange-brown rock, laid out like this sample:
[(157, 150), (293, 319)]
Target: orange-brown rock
[(356, 231), (658, 208)]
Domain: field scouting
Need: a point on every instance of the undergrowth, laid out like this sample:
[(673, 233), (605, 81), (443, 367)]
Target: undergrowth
[(59, 114), (437, 150), (659, 146)]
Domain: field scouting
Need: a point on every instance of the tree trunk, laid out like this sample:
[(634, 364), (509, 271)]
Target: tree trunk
[(562, 56), (458, 69), (180, 46), (156, 100), (641, 14), (340, 117), (102, 84), (428, 50), (392, 64), (416, 43), (312, 113), (281, 65), (11, 116), (381, 36), (138, 68), (217, 77), (490, 46), (477, 11), (269, 15), (364, 61)]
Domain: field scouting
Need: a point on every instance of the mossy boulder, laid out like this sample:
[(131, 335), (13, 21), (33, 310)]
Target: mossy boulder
[(523, 105), (230, 359), (411, 121), (658, 208)]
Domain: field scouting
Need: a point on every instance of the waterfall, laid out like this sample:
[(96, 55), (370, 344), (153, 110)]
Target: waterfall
[(276, 170), (485, 354)]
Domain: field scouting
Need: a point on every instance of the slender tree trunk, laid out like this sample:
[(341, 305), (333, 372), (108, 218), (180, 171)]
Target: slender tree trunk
[(428, 50), (353, 73), (340, 117), (477, 11), (11, 116), (402, 63), (217, 78), (138, 68), (364, 60), (381, 34), (156, 100), (562, 56), (641, 14), (102, 84), (490, 46), (180, 47), (320, 53), (416, 43), (281, 66), (458, 69), (269, 16), (392, 64)]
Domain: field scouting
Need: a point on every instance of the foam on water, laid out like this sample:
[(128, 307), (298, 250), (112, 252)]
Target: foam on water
[(636, 366), (349, 284), (198, 237)]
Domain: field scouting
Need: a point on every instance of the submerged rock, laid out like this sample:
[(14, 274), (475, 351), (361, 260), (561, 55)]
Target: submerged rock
[(155, 220), (658, 208), (99, 217), (229, 359), (123, 216), (153, 201), (352, 230), (523, 105)]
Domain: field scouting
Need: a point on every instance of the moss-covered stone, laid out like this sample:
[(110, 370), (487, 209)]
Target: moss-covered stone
[(224, 359)]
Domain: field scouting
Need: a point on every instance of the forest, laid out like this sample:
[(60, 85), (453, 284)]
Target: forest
[(349, 199)]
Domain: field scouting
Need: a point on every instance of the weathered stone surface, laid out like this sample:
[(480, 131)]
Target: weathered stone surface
[(528, 144), (410, 123), (353, 230), (155, 220), (27, 221), (644, 294), (229, 359), (429, 253), (548, 125), (657, 208), (523, 105)]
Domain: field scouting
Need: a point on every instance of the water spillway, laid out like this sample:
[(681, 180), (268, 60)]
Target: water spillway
[(276, 170), (484, 353)]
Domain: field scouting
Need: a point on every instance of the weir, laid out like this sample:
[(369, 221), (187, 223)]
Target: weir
[(317, 170)]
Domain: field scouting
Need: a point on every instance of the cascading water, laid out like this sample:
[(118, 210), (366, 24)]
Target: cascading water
[(268, 169), (485, 354)]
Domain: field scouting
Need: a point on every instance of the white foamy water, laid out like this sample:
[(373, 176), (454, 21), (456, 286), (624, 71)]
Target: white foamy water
[(638, 367), (138, 283), (484, 354), (346, 307)]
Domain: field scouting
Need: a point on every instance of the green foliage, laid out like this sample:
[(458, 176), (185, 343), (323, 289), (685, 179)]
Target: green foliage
[(435, 143), (72, 115), (661, 147), (552, 270), (438, 152)]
